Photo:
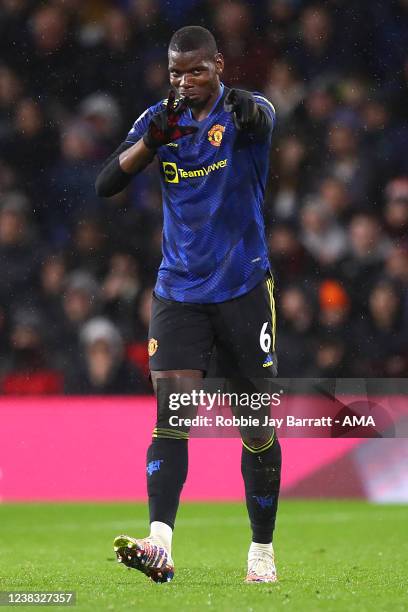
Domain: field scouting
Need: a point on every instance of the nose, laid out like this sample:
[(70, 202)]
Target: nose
[(185, 82)]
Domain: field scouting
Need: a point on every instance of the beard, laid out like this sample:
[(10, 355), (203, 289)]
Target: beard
[(195, 103)]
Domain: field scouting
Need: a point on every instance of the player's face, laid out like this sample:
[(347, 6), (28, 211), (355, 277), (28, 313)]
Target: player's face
[(195, 76)]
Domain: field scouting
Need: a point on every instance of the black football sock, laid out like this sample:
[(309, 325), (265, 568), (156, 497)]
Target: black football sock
[(167, 464), (261, 469)]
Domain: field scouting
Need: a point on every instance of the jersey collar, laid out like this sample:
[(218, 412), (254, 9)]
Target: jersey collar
[(213, 107)]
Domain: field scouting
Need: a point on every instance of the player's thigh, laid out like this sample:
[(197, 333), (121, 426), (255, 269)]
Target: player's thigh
[(246, 333), (180, 336)]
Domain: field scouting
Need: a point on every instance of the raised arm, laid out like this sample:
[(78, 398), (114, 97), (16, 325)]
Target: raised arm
[(254, 114), (130, 159), (121, 166)]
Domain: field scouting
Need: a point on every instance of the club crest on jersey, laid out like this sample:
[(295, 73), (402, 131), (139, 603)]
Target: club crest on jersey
[(215, 134), (152, 346)]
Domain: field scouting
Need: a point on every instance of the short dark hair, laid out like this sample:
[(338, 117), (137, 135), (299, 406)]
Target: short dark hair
[(192, 38)]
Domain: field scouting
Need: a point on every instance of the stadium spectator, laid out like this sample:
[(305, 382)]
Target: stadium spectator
[(290, 260), (289, 180), (32, 133), (111, 64), (52, 277), (396, 268), (382, 335), (150, 23), (345, 161), (297, 331), (314, 52), (335, 196), (321, 234), (285, 89), (20, 251), (11, 89), (396, 265), (396, 209), (71, 193), (80, 303), (363, 264), (29, 370), (244, 54), (120, 291), (103, 369), (14, 18), (334, 312), (8, 178), (88, 250), (331, 359), (280, 15), (102, 112), (54, 56), (311, 120)]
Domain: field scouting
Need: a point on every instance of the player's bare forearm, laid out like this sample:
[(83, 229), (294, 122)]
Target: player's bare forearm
[(121, 166)]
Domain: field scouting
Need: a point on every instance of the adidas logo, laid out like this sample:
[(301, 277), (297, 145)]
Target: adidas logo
[(268, 361)]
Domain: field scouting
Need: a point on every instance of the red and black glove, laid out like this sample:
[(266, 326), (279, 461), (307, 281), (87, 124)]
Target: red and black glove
[(164, 126)]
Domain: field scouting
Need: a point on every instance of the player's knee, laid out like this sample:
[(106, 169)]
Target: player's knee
[(172, 415), (181, 378)]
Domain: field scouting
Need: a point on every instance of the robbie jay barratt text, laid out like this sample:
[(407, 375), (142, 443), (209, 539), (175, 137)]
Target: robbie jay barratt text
[(289, 420)]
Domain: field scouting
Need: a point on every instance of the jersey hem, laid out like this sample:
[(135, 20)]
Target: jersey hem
[(224, 296)]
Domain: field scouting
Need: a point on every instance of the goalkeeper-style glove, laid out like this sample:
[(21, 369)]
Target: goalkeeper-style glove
[(247, 114), (243, 107), (164, 126)]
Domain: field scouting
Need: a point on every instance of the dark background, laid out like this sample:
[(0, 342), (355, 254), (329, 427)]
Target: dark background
[(76, 271)]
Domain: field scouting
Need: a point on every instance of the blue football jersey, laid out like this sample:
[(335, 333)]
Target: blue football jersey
[(213, 185)]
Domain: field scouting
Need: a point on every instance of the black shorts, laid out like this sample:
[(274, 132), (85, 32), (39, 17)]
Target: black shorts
[(227, 339)]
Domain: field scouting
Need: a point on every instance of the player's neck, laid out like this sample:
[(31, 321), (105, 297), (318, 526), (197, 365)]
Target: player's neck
[(201, 112)]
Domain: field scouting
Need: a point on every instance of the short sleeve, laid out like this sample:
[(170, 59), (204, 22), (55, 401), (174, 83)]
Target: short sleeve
[(141, 124), (266, 105)]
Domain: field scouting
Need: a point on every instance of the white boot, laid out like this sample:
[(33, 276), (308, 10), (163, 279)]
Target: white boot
[(261, 563)]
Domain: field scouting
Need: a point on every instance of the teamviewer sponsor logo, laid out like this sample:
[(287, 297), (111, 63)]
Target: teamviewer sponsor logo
[(173, 174)]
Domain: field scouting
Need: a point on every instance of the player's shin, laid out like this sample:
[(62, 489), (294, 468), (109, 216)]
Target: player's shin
[(167, 464), (261, 469)]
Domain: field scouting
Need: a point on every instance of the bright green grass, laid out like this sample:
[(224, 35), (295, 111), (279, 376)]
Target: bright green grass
[(339, 555)]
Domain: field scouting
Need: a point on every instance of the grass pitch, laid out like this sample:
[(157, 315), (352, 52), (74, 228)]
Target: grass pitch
[(337, 555)]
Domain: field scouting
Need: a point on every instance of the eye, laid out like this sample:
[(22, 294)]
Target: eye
[(197, 72)]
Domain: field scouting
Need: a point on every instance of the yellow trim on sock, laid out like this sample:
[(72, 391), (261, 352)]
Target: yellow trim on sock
[(167, 436), (260, 449), (161, 432)]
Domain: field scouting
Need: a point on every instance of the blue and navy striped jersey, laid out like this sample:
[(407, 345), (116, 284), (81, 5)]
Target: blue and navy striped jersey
[(213, 184)]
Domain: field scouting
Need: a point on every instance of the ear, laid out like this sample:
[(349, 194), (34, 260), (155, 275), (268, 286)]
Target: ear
[(219, 63)]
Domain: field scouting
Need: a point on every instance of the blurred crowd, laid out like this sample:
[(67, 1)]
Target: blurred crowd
[(76, 271)]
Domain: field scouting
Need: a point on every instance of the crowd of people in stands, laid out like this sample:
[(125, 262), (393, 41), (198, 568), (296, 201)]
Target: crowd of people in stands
[(77, 271)]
